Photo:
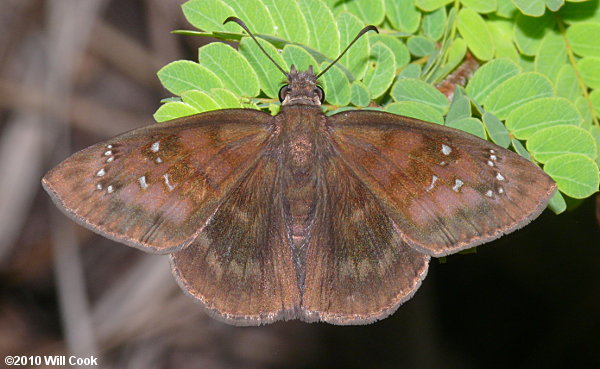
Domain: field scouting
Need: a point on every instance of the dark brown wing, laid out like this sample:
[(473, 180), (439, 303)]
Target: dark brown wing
[(155, 187), (358, 269), (445, 189), (240, 266)]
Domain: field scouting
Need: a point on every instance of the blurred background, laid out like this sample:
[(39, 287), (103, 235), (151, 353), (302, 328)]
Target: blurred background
[(74, 72)]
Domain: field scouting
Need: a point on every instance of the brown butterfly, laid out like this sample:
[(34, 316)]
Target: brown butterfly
[(299, 215)]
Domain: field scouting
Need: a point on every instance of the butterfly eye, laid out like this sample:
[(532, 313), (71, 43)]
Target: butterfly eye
[(320, 93), (283, 91)]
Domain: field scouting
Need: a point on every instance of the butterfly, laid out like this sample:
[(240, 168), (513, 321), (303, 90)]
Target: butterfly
[(299, 215)]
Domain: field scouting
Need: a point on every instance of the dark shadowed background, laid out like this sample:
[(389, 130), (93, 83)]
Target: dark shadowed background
[(75, 72)]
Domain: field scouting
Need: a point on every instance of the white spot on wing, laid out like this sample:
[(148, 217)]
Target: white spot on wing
[(101, 172), (489, 193), (158, 160), (446, 150), (99, 186), (109, 146), (110, 189), (108, 153), (110, 159), (501, 190), (457, 185), (169, 186), (490, 163), (155, 146), (143, 183), (499, 177), (493, 157), (433, 180)]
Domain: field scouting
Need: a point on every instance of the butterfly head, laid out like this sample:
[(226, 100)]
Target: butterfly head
[(301, 89)]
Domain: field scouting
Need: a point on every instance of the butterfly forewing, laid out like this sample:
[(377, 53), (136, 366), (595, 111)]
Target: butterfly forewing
[(446, 190), (240, 267), (358, 268), (155, 187)]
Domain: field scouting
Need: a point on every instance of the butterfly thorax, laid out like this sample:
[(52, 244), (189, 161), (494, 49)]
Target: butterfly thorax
[(301, 130)]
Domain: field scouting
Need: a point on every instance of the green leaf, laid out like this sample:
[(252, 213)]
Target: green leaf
[(410, 71), (481, 6), (476, 34), (529, 31), (576, 175), (225, 98), (538, 114), (595, 99), (416, 90), (584, 109), (400, 50), (589, 69), (368, 11), (209, 15), (584, 37), (335, 85), (567, 85), (456, 54), (300, 58), (322, 28), (416, 110), (360, 94), (268, 74), (173, 110), (533, 8), (434, 24), (460, 108), (487, 78), (469, 125), (551, 56), (420, 46), (595, 132), (233, 69), (559, 140), (497, 131), (199, 100), (288, 20), (517, 91), (587, 11), (554, 5), (506, 8), (403, 15), (503, 43), (381, 69), (557, 203), (183, 75), (520, 149), (431, 5), (356, 59), (255, 14)]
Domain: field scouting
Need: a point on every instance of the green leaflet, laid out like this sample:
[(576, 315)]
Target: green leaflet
[(526, 120), (416, 110), (517, 91), (551, 142), (407, 89), (380, 71), (233, 69), (576, 175)]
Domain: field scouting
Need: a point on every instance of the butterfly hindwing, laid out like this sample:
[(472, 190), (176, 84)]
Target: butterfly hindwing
[(358, 269), (155, 187), (240, 266), (445, 189)]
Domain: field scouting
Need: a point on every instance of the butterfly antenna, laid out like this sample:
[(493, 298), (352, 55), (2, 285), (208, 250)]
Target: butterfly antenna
[(362, 32), (243, 25)]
